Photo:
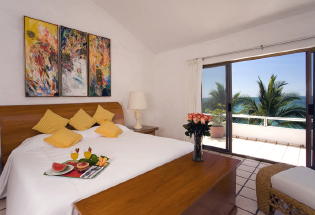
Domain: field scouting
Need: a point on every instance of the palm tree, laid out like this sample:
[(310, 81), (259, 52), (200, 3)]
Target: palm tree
[(217, 98), (272, 101)]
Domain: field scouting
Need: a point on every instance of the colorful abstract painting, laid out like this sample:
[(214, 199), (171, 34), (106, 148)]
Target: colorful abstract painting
[(73, 62), (41, 58), (99, 66)]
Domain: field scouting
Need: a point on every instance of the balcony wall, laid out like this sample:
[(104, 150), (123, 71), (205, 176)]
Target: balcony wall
[(295, 137)]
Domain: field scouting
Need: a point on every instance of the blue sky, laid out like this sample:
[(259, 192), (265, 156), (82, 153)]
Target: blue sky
[(289, 68)]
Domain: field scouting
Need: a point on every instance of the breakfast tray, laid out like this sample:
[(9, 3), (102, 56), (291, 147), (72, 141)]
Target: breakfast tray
[(90, 173)]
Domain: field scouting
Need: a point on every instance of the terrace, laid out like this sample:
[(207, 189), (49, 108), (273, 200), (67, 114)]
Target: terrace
[(273, 143)]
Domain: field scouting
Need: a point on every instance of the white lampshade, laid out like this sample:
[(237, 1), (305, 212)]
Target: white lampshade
[(137, 101)]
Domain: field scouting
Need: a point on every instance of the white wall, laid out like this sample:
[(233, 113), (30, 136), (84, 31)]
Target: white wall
[(164, 77), (291, 136), (130, 59), (171, 72)]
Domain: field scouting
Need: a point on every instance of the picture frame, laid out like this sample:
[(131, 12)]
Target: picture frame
[(41, 58)]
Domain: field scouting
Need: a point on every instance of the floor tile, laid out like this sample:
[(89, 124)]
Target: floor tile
[(247, 204), (243, 173), (252, 163), (242, 212), (260, 213), (238, 188), (248, 193), (2, 204), (247, 168), (240, 181), (251, 184), (253, 177), (238, 158)]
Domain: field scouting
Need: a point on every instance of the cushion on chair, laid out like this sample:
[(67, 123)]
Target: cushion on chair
[(298, 183)]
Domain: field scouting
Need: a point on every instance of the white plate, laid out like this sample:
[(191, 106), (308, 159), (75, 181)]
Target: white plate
[(53, 172)]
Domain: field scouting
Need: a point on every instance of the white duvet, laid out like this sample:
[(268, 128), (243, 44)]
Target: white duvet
[(30, 192)]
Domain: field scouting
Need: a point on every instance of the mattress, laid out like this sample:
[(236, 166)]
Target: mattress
[(28, 191)]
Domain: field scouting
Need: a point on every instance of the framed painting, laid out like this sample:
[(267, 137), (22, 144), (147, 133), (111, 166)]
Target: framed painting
[(99, 66), (41, 58), (73, 62)]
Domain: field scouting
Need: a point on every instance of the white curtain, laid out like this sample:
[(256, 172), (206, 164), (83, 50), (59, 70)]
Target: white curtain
[(193, 89), (194, 86)]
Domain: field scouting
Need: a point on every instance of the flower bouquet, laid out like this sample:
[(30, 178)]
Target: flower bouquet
[(198, 125)]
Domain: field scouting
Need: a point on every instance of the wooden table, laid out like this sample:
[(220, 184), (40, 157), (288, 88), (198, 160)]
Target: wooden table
[(178, 187)]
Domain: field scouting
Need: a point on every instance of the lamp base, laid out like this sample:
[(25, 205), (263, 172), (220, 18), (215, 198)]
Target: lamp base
[(138, 120)]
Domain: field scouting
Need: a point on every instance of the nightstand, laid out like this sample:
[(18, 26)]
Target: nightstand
[(145, 129)]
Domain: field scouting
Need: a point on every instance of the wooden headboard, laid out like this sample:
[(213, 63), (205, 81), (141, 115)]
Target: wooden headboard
[(16, 121)]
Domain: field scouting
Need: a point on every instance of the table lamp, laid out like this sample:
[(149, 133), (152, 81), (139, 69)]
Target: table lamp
[(137, 103)]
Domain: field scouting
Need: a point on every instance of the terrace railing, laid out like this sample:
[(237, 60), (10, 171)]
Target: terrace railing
[(266, 118)]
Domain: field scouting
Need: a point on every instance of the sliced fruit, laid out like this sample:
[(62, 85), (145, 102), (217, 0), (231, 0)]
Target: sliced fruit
[(73, 163), (82, 166), (58, 167), (102, 161)]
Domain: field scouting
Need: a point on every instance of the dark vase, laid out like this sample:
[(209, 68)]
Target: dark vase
[(197, 155)]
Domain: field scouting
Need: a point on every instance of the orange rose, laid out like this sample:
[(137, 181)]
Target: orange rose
[(196, 120), (203, 120)]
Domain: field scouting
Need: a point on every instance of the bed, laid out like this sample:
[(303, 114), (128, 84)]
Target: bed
[(22, 180), (26, 156)]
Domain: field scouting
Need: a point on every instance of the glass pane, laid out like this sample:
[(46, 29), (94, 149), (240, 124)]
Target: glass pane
[(269, 100), (213, 103)]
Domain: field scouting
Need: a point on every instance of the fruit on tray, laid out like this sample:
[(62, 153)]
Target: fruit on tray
[(102, 161), (75, 155), (88, 153), (82, 166), (59, 167), (92, 160), (73, 163)]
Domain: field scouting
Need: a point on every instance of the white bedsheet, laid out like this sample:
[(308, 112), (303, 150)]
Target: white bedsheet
[(28, 191)]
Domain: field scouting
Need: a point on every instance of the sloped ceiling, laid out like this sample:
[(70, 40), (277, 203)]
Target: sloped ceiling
[(167, 24)]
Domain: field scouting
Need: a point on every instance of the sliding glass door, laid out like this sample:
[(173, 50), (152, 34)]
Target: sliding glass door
[(215, 102), (263, 107)]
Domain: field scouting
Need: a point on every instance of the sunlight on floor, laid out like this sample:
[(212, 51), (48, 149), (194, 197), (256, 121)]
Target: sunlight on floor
[(270, 151)]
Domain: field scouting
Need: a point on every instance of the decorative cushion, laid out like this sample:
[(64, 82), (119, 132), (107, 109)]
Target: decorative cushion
[(109, 129), (82, 120), (50, 123), (298, 183), (63, 138), (101, 115)]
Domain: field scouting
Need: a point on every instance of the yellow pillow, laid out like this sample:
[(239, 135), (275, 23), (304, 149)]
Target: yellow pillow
[(82, 120), (101, 115), (50, 123), (108, 129), (63, 138)]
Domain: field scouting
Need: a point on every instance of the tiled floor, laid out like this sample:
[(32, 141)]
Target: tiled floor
[(269, 151), (246, 200), (245, 187)]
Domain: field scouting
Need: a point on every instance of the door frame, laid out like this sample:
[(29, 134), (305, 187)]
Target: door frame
[(228, 107)]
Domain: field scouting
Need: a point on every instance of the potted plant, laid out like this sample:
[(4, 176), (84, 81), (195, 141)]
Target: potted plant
[(198, 125), (217, 129)]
